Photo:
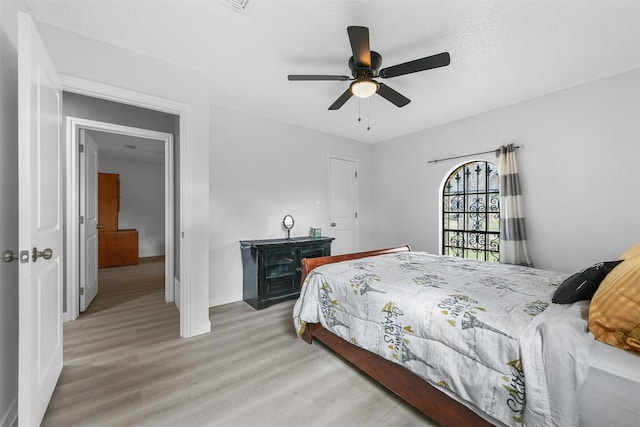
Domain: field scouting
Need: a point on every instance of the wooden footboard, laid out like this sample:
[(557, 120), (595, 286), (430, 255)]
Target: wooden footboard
[(309, 264), (410, 387)]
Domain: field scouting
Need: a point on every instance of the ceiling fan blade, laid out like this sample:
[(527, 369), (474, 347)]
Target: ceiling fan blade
[(306, 77), (341, 100), (392, 96), (359, 38), (427, 63)]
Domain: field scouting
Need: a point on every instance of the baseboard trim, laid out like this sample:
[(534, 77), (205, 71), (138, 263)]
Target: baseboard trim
[(200, 328)]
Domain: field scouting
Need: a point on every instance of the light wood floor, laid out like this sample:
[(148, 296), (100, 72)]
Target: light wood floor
[(125, 365)]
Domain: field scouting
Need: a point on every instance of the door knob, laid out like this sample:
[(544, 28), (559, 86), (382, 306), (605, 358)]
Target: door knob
[(46, 254), (98, 226), (8, 256), (333, 224)]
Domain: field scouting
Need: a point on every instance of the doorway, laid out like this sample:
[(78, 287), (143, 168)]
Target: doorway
[(134, 135), (191, 248)]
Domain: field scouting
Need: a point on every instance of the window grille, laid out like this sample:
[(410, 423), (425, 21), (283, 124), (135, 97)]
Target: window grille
[(471, 212)]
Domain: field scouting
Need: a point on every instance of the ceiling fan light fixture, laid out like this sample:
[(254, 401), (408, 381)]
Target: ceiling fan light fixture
[(364, 88)]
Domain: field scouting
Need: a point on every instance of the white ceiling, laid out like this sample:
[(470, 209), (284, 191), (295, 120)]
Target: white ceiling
[(502, 52), (118, 147)]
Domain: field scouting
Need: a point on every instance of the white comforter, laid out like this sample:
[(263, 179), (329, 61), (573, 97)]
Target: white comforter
[(484, 332)]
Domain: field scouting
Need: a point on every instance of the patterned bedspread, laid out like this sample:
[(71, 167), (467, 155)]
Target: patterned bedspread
[(469, 327)]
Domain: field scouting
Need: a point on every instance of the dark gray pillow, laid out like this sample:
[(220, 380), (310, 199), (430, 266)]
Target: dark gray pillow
[(582, 285)]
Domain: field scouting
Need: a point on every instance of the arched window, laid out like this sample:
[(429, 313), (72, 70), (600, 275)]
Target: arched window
[(471, 212)]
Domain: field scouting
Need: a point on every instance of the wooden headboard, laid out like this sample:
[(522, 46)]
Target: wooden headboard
[(309, 264)]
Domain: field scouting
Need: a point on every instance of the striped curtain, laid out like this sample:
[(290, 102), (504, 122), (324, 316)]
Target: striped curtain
[(513, 235)]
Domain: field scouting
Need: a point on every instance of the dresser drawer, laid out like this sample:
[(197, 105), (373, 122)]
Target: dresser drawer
[(281, 286)]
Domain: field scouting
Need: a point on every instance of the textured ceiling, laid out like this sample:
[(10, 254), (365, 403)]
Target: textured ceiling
[(502, 52)]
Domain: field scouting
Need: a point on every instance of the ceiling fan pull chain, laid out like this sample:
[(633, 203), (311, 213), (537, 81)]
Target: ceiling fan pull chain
[(368, 113), (359, 114)]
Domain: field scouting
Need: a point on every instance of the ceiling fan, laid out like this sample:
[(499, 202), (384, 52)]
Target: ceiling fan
[(365, 66)]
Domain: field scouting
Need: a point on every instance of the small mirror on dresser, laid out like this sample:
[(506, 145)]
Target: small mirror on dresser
[(287, 223)]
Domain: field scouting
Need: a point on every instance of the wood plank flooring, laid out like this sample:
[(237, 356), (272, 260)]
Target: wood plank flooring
[(125, 365)]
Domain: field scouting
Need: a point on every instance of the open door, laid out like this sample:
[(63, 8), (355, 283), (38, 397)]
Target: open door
[(40, 225), (89, 220)]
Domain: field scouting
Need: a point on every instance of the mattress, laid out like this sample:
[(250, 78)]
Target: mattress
[(610, 396)]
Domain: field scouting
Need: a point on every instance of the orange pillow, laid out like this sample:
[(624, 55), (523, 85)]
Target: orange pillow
[(614, 312), (631, 252)]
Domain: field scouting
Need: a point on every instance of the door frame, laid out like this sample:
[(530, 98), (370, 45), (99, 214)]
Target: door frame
[(73, 126), (183, 111)]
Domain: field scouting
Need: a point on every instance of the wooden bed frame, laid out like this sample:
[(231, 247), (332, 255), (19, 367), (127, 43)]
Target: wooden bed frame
[(410, 387)]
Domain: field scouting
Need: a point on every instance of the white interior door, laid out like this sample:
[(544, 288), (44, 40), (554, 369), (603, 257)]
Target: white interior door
[(40, 225), (343, 205), (89, 222)]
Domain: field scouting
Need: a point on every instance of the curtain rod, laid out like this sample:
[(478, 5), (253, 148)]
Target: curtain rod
[(497, 151)]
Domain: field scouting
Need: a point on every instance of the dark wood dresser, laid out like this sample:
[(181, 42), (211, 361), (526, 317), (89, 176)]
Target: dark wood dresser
[(272, 268)]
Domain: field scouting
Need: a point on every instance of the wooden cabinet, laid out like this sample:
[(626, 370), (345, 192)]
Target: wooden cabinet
[(115, 247), (272, 268), (108, 201)]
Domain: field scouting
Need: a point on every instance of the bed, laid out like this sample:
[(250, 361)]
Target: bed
[(477, 378)]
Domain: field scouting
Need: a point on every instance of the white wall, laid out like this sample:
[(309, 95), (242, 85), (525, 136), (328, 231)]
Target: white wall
[(579, 171), (8, 212), (262, 170), (87, 107), (141, 201)]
